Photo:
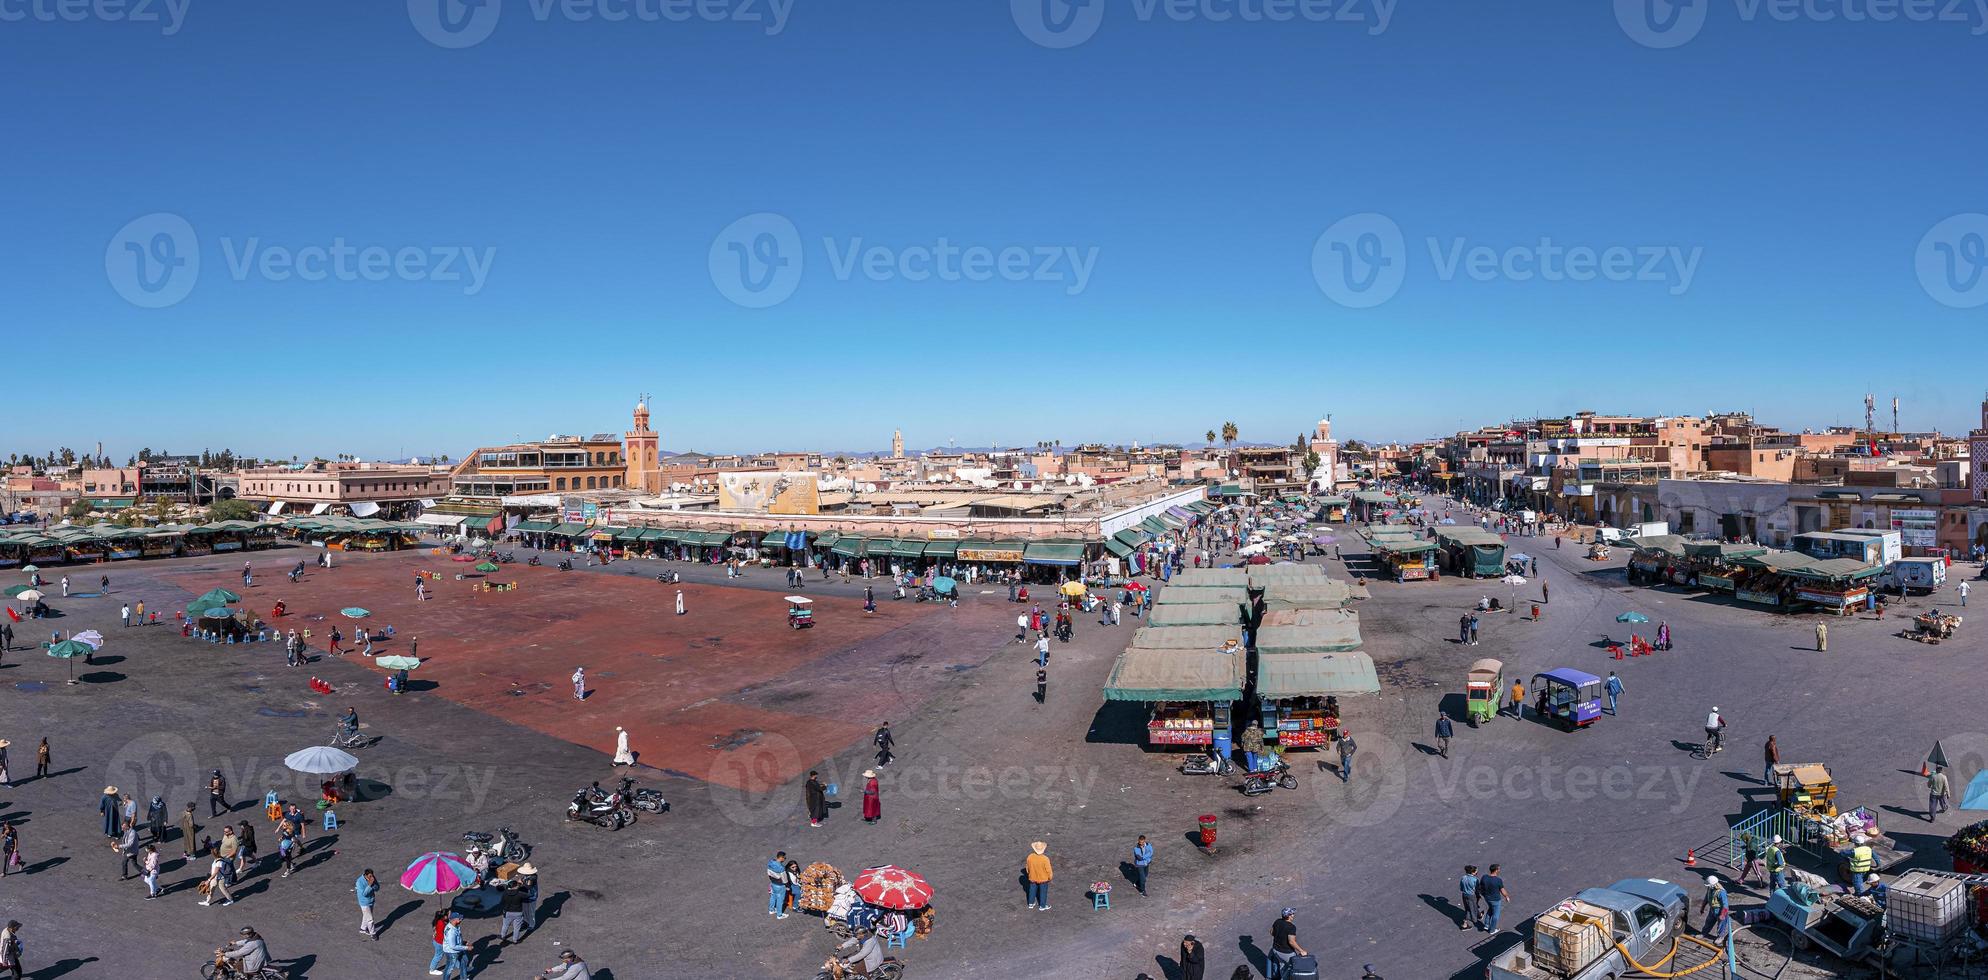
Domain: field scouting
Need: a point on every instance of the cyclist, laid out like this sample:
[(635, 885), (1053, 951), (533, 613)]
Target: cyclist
[(348, 725), (247, 956), (1715, 731)]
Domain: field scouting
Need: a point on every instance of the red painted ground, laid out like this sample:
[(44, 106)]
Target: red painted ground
[(726, 693)]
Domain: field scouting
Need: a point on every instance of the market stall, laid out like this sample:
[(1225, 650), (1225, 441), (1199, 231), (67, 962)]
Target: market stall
[(1471, 551), (1332, 510), (1193, 578), (1406, 559), (1322, 594), (1196, 614), (1190, 693), (1308, 631), (1298, 694), (1264, 576)]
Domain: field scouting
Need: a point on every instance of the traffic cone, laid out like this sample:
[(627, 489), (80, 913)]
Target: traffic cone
[(1924, 771), (1690, 858)]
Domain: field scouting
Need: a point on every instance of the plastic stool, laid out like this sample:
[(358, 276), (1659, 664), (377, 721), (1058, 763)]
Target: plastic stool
[(270, 799), (1100, 900), (897, 940), (331, 819)]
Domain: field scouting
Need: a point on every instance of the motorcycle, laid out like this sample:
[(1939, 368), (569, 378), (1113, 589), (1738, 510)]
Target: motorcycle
[(650, 800), (503, 845), (532, 561), (1259, 783), (1203, 764), (565, 564), (669, 578), (505, 559), (608, 811)]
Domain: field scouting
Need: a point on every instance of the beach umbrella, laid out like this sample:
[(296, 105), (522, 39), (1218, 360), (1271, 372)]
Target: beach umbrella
[(30, 569), (398, 663), (437, 873), (321, 760), (944, 583), (1073, 588), (31, 595), (90, 638), (1521, 556), (354, 612), (1514, 580), (15, 590), (219, 596), (69, 650), (1632, 617), (893, 887), (484, 566)]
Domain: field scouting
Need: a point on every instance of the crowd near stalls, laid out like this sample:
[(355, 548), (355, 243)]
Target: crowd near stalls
[(91, 543), (337, 533), (1259, 652)]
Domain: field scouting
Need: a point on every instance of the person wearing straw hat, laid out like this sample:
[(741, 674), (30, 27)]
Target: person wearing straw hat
[(873, 807), (622, 757), (1037, 869), (108, 808)]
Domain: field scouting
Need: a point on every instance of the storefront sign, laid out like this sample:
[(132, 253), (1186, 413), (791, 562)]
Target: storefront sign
[(1763, 598), (125, 553), (943, 534), (1832, 599), (990, 554), (1917, 527), (1180, 736), (1412, 574)]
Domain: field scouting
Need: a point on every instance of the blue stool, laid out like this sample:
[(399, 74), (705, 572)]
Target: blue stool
[(1100, 900), (270, 799), (898, 940), (331, 820)]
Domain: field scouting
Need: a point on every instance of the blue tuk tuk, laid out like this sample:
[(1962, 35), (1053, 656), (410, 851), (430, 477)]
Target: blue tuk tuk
[(1568, 697)]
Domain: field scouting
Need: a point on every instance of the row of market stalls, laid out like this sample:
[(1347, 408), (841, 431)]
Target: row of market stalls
[(1471, 552), (1754, 574), (355, 533), (1194, 662), (89, 543)]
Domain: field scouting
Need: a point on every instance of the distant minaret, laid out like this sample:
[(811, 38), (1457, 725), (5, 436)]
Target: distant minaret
[(897, 444), (642, 448)]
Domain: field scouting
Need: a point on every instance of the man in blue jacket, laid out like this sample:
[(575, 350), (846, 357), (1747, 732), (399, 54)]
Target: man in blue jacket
[(367, 888)]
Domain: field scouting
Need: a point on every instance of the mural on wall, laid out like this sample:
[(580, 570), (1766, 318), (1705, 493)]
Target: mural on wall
[(769, 493)]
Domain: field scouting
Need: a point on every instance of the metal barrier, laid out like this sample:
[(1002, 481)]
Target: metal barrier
[(1764, 827)]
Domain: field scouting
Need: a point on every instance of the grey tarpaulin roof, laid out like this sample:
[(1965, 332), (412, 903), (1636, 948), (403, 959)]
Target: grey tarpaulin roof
[(1802, 566), (1172, 597), (1465, 534), (1196, 614), (1318, 631), (1326, 594), (1663, 544), (1189, 578), (1261, 576), (1186, 637), (1175, 675), (1286, 676)]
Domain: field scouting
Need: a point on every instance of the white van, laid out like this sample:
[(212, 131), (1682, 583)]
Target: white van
[(1909, 575)]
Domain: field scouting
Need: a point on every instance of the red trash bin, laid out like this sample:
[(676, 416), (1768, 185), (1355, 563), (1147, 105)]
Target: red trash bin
[(1207, 822)]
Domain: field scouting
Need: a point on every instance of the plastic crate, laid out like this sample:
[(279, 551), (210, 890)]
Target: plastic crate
[(1926, 908)]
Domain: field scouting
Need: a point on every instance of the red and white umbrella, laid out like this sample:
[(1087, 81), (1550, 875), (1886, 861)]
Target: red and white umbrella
[(892, 887)]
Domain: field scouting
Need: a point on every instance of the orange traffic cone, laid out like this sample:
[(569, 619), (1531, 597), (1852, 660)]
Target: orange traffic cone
[(1690, 858), (1923, 771)]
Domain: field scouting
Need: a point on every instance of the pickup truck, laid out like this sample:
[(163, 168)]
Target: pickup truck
[(1644, 915)]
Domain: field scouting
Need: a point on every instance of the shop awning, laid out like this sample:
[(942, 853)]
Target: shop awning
[(1175, 675), (909, 548), (1155, 526), (1054, 553), (1309, 631), (708, 539), (1117, 547), (1229, 490), (439, 520), (569, 530), (827, 539), (364, 508), (533, 527), (275, 507), (942, 549), (849, 546), (1132, 538), (880, 547), (672, 535), (629, 533), (655, 534), (1286, 676)]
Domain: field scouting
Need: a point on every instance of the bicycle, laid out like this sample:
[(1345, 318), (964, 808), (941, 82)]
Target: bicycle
[(353, 739), (1715, 742)]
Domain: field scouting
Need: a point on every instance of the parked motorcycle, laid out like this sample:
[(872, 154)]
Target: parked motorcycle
[(609, 811), (891, 969), (643, 798), (1203, 764), (1259, 783), (565, 564), (669, 578), (532, 561), (504, 845)]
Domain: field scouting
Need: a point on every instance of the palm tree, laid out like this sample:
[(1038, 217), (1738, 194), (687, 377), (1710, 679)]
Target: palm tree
[(1211, 437), (1229, 433)]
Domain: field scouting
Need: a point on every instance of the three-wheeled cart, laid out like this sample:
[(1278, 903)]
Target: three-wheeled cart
[(800, 612), (1482, 687), (1568, 697)]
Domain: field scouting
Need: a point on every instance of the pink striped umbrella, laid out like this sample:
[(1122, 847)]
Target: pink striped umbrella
[(437, 873)]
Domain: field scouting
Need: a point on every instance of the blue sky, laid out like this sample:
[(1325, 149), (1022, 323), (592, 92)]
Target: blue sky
[(1773, 187)]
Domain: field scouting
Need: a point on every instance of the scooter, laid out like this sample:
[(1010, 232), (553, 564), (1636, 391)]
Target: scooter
[(565, 564), (1203, 764), (669, 578), (890, 969), (532, 561), (610, 812), (504, 845), (1259, 783), (650, 800)]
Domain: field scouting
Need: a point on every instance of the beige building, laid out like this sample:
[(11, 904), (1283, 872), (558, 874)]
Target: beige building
[(362, 489)]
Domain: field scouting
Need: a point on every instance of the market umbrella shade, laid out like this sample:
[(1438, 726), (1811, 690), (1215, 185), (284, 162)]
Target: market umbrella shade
[(484, 566), (1073, 588), (90, 638), (1632, 617), (31, 595), (892, 887), (15, 590), (398, 663), (321, 760), (1521, 556), (437, 873), (69, 650), (219, 596), (354, 612), (30, 569)]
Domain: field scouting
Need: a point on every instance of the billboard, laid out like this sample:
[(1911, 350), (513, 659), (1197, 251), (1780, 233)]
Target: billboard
[(769, 492), (1917, 527)]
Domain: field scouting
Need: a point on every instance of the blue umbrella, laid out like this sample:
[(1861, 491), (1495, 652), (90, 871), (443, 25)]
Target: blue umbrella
[(1632, 617), (354, 612), (1522, 556)]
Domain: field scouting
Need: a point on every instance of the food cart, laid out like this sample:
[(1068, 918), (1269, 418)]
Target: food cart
[(1471, 551), (1332, 510), (1407, 559), (1298, 694), (1932, 626), (1190, 692), (1482, 687), (800, 612), (1805, 786), (1570, 698)]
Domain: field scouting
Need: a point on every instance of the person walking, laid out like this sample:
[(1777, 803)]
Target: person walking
[(1937, 793), (218, 872), (1963, 593), (1715, 908), (10, 848), (1193, 958), (1284, 946), (65, 586), (873, 804), (247, 852), (1042, 685), (1468, 898), (1491, 888), (150, 869), (622, 755), (1251, 744), (187, 829), (1444, 732), (11, 953), (437, 927), (1777, 864), (815, 794), (131, 859), (1822, 638), (579, 683), (1037, 870), (679, 602), (885, 743), (1518, 704), (1546, 594), (107, 807), (776, 885), (1463, 629), (1346, 749), (1750, 865), (124, 613), (286, 849), (1770, 755), (455, 948), (1142, 862), (217, 794), (138, 613), (1473, 629), (1042, 650), (367, 890), (1663, 636), (155, 819)]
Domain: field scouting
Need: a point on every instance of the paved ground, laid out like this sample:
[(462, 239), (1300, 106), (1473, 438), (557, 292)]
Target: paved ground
[(983, 770)]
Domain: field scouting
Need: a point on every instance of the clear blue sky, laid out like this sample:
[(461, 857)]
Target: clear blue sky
[(596, 162)]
